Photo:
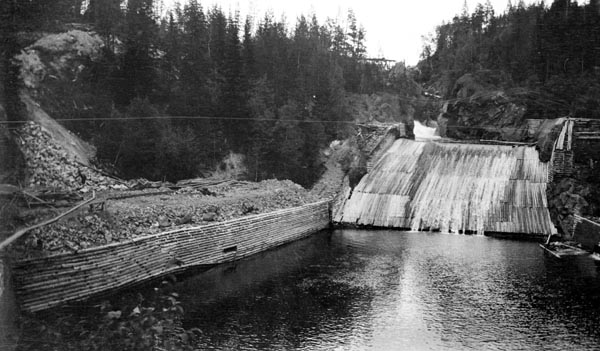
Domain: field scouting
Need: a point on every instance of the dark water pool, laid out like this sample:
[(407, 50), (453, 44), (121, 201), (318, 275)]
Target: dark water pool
[(392, 290)]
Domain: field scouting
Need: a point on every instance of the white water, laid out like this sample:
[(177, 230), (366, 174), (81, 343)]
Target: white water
[(453, 188), (422, 132), (459, 190)]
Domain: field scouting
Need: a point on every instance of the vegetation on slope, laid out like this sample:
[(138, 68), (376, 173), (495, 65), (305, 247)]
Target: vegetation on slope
[(549, 50), (168, 97)]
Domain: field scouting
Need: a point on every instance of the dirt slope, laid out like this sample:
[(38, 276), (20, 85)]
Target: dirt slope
[(69, 142)]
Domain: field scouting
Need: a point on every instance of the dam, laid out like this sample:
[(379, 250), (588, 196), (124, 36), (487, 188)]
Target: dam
[(453, 187), (424, 184)]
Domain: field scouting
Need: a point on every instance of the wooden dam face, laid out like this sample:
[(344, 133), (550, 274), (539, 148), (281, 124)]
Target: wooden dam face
[(453, 188)]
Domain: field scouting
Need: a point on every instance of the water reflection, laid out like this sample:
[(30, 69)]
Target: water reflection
[(386, 290)]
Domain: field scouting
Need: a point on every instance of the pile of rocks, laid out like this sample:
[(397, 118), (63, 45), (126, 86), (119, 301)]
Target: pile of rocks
[(49, 166), (116, 216), (566, 197), (120, 219), (153, 213)]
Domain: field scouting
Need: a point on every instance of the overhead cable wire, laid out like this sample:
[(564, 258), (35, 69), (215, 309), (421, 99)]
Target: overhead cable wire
[(238, 119)]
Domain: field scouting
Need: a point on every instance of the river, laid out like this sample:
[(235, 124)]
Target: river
[(391, 290)]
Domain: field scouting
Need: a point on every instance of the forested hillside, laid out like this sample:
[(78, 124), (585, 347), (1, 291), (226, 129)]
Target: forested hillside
[(544, 56), (169, 96), (494, 71)]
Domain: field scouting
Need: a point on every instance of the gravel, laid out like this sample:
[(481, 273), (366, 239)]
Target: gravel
[(49, 166), (117, 220)]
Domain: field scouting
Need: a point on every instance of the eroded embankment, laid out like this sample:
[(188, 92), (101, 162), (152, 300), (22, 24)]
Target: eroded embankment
[(453, 187)]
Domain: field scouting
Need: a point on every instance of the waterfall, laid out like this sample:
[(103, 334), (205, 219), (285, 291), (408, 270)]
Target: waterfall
[(422, 132), (454, 187)]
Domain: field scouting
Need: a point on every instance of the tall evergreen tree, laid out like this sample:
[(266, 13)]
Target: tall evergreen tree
[(235, 84), (138, 75), (107, 17), (217, 39), (248, 58)]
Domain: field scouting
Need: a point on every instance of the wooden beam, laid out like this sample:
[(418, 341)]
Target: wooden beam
[(21, 232)]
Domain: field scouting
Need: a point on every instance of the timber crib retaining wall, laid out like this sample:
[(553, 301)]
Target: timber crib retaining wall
[(50, 281), (561, 161)]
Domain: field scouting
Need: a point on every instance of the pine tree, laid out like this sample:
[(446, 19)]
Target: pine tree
[(248, 50), (195, 62), (139, 44), (107, 18), (234, 87), (217, 38)]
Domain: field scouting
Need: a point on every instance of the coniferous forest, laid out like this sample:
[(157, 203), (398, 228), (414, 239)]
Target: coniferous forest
[(550, 51), (271, 91), (177, 90)]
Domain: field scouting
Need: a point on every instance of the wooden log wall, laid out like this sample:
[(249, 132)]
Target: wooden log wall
[(378, 139), (562, 155), (384, 144), (576, 143), (453, 187), (586, 135), (375, 151), (50, 281)]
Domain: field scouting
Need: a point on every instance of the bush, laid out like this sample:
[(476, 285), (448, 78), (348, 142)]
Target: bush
[(151, 148), (133, 323)]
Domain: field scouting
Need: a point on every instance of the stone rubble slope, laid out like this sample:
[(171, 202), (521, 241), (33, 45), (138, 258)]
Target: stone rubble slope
[(75, 147), (50, 166)]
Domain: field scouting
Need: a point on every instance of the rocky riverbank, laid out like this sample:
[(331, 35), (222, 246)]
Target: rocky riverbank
[(120, 216)]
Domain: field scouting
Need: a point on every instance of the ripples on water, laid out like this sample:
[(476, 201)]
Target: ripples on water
[(391, 290)]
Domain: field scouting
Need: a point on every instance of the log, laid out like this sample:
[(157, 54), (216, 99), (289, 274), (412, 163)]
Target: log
[(36, 198), (47, 282), (103, 173), (21, 232)]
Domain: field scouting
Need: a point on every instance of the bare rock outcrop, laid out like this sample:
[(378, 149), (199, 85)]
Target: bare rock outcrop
[(484, 108), (57, 56)]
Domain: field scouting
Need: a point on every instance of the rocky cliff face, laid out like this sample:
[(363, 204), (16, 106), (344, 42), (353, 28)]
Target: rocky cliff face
[(401, 99), (57, 57), (491, 116), (53, 156), (483, 107), (374, 108)]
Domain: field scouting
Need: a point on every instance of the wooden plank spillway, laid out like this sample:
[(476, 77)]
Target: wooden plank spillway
[(47, 282), (453, 188)]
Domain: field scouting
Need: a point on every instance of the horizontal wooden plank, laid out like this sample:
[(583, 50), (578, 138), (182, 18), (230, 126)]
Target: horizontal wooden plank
[(50, 281), (454, 187)]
